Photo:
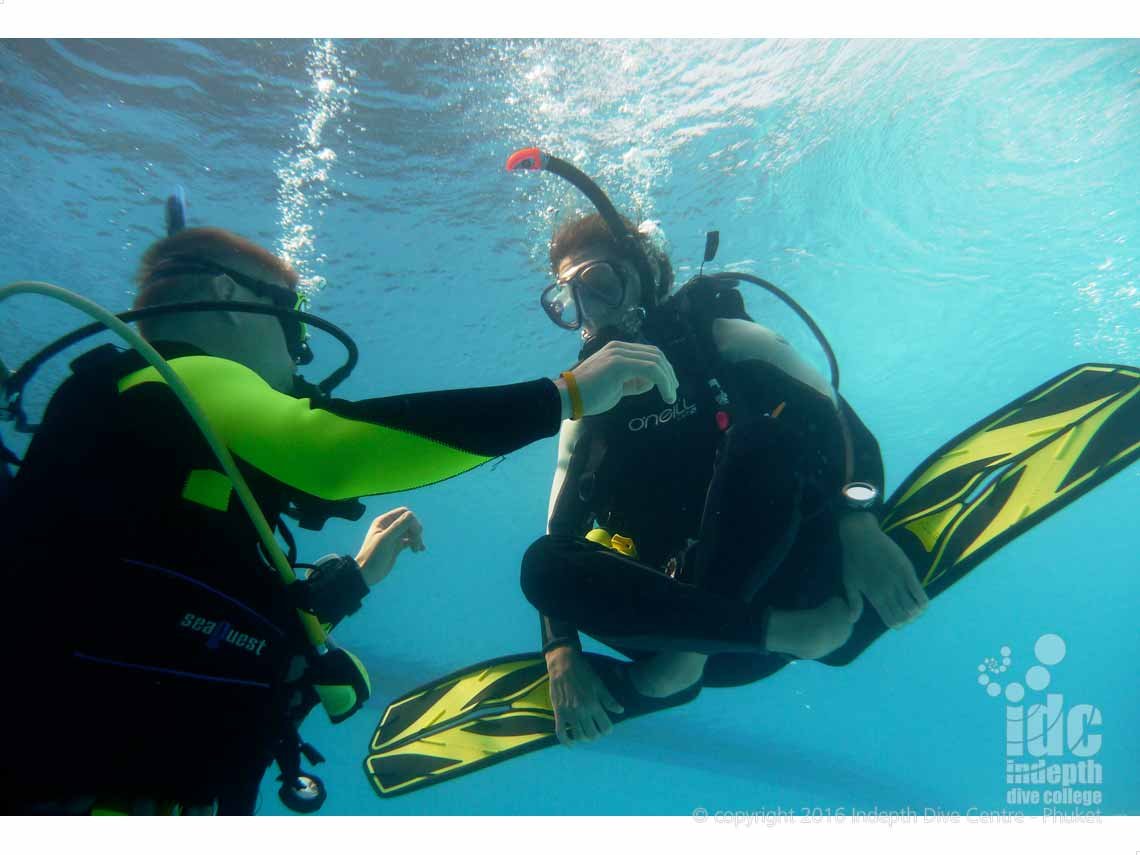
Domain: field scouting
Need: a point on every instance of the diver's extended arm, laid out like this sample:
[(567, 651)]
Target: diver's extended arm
[(344, 449), (340, 449)]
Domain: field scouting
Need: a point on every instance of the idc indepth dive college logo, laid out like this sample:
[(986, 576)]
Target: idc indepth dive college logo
[(1050, 747)]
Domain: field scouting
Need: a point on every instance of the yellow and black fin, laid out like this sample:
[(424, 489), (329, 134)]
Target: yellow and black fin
[(1006, 474), (1015, 468), (484, 714)]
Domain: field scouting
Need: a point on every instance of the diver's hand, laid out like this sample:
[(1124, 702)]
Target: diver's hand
[(620, 368), (579, 697), (875, 567), (388, 536)]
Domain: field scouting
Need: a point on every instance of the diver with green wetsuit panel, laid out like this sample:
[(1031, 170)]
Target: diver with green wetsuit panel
[(161, 661)]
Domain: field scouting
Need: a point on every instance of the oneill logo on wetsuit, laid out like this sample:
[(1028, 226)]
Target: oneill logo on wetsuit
[(219, 632), (680, 409)]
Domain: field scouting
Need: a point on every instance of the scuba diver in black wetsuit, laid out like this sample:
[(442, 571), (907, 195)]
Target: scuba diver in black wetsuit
[(712, 538), (157, 659)]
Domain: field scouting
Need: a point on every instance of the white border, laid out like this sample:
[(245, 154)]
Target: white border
[(568, 18), (557, 836)]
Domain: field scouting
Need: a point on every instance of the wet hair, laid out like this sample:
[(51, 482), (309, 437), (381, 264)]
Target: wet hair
[(214, 245), (592, 229)]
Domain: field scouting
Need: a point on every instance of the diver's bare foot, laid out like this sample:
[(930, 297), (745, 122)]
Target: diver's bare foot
[(810, 633), (666, 673)]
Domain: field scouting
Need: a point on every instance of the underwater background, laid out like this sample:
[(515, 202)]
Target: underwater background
[(960, 218)]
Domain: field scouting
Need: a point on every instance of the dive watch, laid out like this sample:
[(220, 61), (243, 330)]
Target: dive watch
[(859, 495)]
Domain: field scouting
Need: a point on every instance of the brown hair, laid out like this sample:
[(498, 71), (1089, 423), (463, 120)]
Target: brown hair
[(200, 245), (592, 229)]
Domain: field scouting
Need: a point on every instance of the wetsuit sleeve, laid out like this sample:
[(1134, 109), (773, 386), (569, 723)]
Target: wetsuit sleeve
[(558, 633), (868, 459), (345, 449)]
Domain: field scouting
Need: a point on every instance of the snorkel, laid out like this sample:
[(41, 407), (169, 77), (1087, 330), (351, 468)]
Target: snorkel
[(176, 211), (535, 160)]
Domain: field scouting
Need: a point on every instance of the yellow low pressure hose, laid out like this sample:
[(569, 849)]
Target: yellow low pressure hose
[(313, 629)]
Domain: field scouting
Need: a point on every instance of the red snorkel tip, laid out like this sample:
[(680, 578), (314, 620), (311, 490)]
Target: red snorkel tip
[(526, 158)]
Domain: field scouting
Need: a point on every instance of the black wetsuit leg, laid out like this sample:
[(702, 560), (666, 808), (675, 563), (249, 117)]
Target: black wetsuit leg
[(752, 513), (608, 595), (810, 575), (750, 529)]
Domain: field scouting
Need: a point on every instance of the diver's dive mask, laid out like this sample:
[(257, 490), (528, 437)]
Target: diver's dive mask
[(595, 284), (296, 332)]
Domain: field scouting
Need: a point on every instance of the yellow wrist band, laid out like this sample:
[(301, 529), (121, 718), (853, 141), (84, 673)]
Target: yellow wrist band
[(576, 408)]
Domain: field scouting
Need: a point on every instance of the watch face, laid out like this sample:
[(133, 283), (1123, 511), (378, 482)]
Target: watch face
[(860, 493)]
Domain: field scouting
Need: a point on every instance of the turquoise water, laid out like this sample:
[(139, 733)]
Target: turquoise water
[(960, 217)]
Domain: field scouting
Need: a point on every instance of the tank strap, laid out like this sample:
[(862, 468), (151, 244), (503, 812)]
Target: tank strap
[(699, 303)]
